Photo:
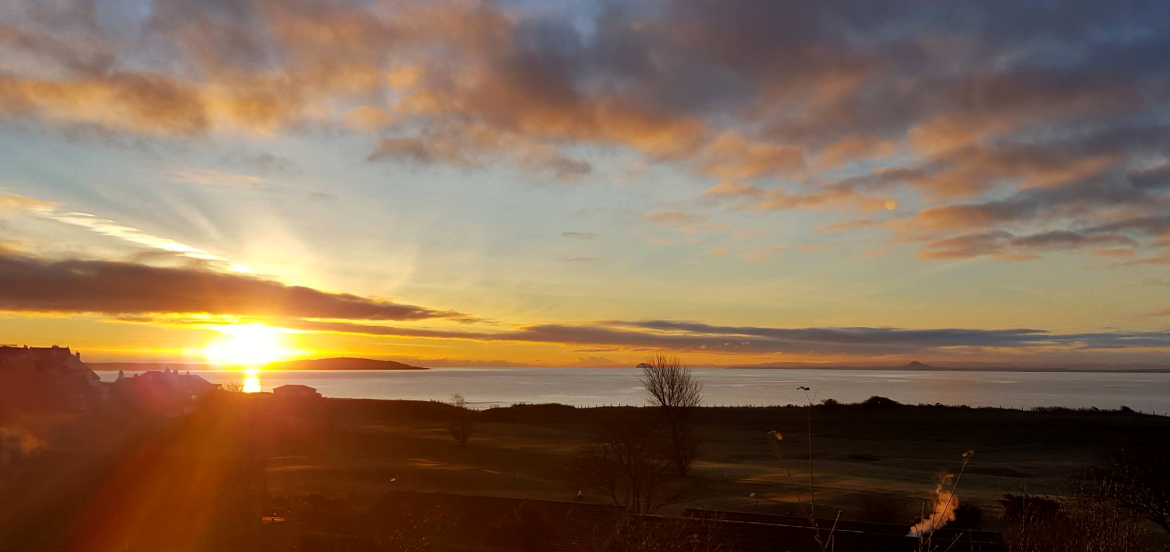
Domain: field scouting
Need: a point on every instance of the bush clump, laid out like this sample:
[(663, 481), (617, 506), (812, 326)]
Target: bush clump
[(967, 516), (1091, 522), (880, 402), (1028, 508)]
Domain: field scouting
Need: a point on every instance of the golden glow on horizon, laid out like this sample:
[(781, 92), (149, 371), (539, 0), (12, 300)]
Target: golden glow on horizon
[(246, 345)]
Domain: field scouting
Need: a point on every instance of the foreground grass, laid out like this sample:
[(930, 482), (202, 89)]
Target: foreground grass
[(869, 462)]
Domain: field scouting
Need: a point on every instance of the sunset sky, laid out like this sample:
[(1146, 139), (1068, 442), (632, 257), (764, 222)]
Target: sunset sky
[(459, 183)]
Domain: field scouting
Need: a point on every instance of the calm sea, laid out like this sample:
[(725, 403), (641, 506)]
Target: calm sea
[(485, 387)]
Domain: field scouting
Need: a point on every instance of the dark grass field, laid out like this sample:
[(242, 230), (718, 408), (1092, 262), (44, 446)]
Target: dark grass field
[(337, 456), (879, 464)]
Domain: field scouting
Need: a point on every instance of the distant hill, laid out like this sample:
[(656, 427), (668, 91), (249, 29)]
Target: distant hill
[(342, 364), (915, 365), (311, 364)]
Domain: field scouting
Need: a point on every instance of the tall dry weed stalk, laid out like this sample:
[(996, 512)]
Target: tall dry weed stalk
[(824, 539)]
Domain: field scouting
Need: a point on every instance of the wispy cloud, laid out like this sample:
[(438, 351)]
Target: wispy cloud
[(676, 218), (1118, 239), (52, 211), (846, 226), (207, 177), (746, 196), (762, 253), (132, 235), (27, 204), (687, 223)]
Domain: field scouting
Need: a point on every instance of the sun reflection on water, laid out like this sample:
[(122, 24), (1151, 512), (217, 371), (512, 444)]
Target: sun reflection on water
[(252, 381)]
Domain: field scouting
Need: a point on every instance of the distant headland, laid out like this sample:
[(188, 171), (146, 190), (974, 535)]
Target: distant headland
[(340, 363)]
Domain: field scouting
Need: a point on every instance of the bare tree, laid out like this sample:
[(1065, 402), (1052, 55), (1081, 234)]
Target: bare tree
[(672, 387), (628, 465), (462, 422), (1137, 478)]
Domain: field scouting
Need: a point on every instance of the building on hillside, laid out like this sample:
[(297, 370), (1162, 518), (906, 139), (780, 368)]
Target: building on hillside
[(47, 378), (294, 391), (60, 363), (167, 392)]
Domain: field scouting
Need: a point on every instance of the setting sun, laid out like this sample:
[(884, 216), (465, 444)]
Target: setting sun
[(246, 345)]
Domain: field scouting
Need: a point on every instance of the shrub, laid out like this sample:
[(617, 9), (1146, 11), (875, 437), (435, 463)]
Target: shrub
[(880, 402), (1137, 477), (967, 516), (1090, 523), (461, 424), (1029, 509)]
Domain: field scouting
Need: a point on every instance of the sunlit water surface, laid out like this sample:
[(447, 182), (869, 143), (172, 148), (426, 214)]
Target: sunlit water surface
[(605, 386)]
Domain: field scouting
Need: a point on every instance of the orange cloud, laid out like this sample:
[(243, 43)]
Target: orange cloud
[(731, 156), (138, 102), (22, 203), (852, 148), (846, 226), (746, 196)]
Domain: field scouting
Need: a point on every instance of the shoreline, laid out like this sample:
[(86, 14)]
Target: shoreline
[(146, 366), (839, 406)]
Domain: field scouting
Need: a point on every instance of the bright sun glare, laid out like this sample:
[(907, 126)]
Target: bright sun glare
[(252, 381), (246, 345)]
